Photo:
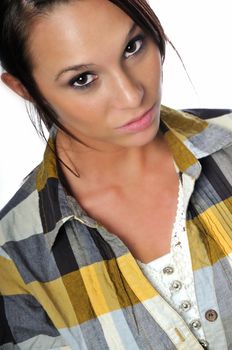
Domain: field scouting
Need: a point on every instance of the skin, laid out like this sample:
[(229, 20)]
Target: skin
[(118, 167), (135, 88)]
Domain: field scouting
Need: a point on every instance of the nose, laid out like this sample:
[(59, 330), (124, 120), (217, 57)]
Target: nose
[(127, 91)]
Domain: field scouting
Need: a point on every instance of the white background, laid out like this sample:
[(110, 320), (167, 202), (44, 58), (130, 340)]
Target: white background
[(201, 32)]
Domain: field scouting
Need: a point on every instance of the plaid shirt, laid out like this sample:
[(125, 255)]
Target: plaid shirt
[(67, 283)]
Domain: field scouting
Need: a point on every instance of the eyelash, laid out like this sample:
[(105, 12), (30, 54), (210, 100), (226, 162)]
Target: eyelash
[(139, 37)]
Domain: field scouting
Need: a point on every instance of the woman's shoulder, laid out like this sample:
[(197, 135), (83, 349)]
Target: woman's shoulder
[(224, 121), (20, 217), (205, 128), (204, 116)]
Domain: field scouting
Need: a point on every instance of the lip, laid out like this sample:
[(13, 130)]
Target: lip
[(139, 123)]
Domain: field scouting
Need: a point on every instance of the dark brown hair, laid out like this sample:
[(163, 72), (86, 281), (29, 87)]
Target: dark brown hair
[(16, 19)]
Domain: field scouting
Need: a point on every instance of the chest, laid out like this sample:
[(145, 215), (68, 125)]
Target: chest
[(142, 218)]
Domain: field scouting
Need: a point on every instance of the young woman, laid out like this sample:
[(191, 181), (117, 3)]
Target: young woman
[(122, 237)]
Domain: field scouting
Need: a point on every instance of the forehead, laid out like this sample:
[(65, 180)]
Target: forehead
[(81, 29)]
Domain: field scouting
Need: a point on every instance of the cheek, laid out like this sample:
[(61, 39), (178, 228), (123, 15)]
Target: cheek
[(152, 69), (88, 107), (72, 106), (81, 111)]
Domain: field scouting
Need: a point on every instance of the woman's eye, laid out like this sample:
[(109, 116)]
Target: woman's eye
[(82, 81), (85, 80), (135, 45)]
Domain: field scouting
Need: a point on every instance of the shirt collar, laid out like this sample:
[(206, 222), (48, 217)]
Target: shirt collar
[(55, 204), (189, 138)]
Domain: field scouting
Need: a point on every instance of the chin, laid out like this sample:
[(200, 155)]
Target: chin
[(143, 138)]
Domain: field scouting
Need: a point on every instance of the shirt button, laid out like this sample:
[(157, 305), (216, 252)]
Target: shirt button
[(211, 315), (168, 270), (204, 343), (176, 285), (195, 324), (185, 305)]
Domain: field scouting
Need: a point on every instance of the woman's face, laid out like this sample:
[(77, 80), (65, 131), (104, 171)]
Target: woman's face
[(99, 71)]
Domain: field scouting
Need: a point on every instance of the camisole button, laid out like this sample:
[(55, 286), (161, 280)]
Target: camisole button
[(185, 306), (195, 324), (176, 286), (168, 270), (204, 343)]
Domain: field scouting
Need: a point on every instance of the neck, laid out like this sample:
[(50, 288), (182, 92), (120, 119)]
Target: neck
[(118, 166)]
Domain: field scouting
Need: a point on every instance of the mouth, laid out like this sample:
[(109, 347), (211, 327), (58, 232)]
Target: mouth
[(139, 123)]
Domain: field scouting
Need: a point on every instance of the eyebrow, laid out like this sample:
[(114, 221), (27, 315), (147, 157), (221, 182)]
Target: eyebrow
[(87, 66)]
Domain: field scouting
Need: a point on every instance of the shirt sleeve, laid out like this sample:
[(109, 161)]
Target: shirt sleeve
[(23, 320)]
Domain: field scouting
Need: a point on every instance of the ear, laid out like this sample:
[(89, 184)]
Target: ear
[(15, 85)]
